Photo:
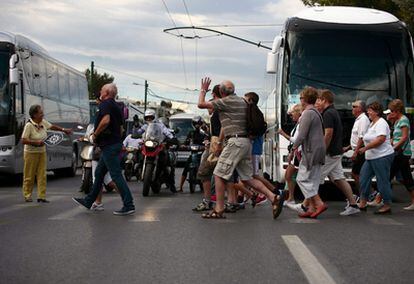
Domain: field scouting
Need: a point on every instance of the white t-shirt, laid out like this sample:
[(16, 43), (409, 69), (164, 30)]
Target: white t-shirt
[(360, 127), (131, 142), (380, 128)]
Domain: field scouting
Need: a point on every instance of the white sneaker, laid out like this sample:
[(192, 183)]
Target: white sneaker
[(350, 211), (410, 207), (287, 203), (97, 207), (375, 204), (297, 207)]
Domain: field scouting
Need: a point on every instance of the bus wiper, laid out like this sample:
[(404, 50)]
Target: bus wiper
[(337, 85), (389, 79)]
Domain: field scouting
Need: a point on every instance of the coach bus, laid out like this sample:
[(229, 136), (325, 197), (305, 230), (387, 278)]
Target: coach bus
[(28, 76), (358, 53)]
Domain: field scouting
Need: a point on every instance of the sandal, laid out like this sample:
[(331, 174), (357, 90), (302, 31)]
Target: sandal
[(202, 206), (229, 208), (277, 204), (254, 199), (213, 215)]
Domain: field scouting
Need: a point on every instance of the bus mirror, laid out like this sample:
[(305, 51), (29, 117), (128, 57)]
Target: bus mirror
[(272, 63), (14, 72)]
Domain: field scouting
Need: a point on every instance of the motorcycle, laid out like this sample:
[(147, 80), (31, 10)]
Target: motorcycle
[(86, 156), (195, 156), (156, 169), (132, 163)]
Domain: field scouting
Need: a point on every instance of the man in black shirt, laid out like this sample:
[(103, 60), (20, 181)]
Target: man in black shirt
[(107, 135), (333, 142)]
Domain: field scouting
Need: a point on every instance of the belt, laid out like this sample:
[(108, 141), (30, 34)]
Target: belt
[(237, 136)]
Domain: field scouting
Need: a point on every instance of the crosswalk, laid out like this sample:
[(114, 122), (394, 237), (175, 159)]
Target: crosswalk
[(10, 204)]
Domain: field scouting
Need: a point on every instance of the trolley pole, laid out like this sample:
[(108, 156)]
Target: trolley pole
[(91, 79)]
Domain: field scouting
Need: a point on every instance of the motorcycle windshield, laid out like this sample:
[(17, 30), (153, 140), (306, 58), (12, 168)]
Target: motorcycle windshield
[(154, 133)]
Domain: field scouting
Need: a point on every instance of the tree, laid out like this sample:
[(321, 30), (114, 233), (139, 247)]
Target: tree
[(402, 9), (98, 81)]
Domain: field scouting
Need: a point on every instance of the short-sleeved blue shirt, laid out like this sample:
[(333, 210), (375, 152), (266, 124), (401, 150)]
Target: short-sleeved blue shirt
[(112, 134)]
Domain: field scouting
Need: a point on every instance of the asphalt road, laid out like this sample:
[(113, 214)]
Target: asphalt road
[(165, 242)]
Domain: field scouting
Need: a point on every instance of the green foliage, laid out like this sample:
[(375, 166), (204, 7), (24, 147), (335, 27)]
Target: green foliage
[(98, 81), (402, 9)]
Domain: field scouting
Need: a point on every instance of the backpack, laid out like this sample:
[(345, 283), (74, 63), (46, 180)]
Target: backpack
[(256, 124)]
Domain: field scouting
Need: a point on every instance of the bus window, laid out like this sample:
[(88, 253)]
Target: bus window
[(83, 93), (27, 66), (52, 80), (39, 75), (63, 85), (73, 89)]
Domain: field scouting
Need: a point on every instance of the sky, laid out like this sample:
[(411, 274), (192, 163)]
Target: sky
[(125, 38)]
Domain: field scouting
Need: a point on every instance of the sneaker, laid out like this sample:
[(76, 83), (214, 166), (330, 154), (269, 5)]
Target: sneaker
[(124, 211), (260, 199), (286, 203), (410, 207), (296, 207), (374, 203), (82, 202), (97, 207), (350, 211), (356, 197), (373, 195)]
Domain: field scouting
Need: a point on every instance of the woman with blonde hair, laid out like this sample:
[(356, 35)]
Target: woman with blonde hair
[(294, 156)]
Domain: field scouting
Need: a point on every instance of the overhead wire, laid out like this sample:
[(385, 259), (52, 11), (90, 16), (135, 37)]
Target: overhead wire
[(181, 43), (153, 94), (149, 80)]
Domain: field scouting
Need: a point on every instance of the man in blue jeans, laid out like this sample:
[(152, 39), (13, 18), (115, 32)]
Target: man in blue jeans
[(107, 136)]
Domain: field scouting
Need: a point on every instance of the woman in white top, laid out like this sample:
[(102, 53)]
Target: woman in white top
[(379, 155), (293, 159)]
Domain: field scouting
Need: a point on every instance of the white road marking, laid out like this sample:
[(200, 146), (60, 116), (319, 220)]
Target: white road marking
[(314, 272), (384, 221), (146, 216), (303, 221)]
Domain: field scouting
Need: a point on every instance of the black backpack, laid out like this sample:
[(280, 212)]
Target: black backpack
[(256, 124)]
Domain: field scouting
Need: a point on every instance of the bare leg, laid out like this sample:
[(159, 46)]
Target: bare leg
[(346, 189), (260, 187), (267, 183), (220, 187), (207, 189), (290, 171)]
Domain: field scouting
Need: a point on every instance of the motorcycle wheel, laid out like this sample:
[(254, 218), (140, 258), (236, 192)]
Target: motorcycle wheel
[(128, 172), (87, 180), (147, 179)]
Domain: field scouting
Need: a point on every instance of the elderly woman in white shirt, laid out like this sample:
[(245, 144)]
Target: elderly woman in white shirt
[(379, 155)]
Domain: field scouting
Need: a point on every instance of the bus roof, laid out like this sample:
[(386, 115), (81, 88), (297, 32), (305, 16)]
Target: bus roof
[(26, 43), (346, 15)]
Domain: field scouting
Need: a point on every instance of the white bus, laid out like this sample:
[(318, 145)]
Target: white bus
[(358, 53), (28, 76)]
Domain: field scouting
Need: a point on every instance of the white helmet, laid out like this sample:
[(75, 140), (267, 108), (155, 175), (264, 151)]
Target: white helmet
[(149, 113)]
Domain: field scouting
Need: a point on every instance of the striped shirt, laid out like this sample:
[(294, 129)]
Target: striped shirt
[(232, 112)]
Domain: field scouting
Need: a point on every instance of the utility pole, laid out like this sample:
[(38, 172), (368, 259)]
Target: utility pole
[(146, 94), (91, 79)]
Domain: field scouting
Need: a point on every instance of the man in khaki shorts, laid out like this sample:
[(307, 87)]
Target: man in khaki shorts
[(236, 153), (333, 142)]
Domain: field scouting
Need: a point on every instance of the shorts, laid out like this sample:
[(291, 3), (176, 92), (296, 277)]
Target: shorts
[(206, 168), (236, 155), (357, 164), (332, 168), (255, 164)]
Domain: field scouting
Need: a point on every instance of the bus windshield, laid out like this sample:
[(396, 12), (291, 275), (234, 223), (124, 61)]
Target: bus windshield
[(356, 62), (364, 64), (5, 99)]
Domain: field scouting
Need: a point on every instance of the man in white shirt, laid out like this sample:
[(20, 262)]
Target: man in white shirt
[(360, 127), (133, 141)]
